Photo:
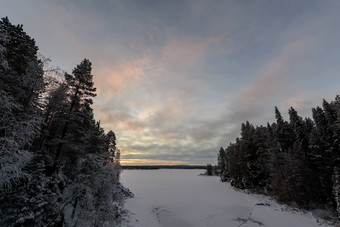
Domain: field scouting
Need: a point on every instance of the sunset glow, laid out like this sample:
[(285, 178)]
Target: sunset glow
[(176, 80)]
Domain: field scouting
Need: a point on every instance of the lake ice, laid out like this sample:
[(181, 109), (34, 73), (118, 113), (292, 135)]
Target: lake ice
[(183, 198)]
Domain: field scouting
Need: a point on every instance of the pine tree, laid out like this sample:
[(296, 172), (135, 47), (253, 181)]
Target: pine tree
[(248, 155), (323, 154), (96, 191), (111, 144), (209, 170), (222, 164), (336, 186), (300, 179), (261, 165), (85, 190), (54, 114), (295, 161), (21, 83), (79, 117), (21, 70)]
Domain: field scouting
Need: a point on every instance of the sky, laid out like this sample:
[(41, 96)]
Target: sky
[(175, 79)]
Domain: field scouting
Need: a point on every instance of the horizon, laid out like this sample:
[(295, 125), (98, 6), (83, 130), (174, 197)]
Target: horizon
[(175, 79)]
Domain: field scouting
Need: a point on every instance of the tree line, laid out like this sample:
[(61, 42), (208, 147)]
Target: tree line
[(295, 161), (57, 165)]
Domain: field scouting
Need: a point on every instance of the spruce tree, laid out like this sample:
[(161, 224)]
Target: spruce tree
[(296, 161), (39, 135), (336, 186), (222, 164), (21, 84)]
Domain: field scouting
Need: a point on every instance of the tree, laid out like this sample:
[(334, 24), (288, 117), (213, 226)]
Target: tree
[(57, 165), (336, 186), (295, 161), (54, 114), (21, 70), (21, 83), (79, 115), (222, 164), (209, 170), (111, 144)]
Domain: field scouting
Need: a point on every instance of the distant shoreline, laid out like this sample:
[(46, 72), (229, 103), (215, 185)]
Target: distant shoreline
[(152, 167)]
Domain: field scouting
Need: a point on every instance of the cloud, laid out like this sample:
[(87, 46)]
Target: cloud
[(153, 103), (268, 86), (278, 73), (297, 101), (175, 80), (115, 80), (189, 155), (186, 52), (143, 161)]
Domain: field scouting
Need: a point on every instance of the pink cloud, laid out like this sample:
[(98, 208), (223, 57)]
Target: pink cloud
[(297, 102), (277, 73), (114, 80), (181, 54)]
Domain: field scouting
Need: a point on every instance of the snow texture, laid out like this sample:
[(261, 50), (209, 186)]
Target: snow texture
[(183, 198)]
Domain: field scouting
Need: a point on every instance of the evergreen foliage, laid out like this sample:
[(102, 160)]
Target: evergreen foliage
[(222, 165), (209, 170), (58, 167), (296, 161)]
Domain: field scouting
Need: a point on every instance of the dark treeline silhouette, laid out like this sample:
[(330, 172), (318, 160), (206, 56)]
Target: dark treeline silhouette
[(296, 161), (212, 170), (163, 167), (57, 165)]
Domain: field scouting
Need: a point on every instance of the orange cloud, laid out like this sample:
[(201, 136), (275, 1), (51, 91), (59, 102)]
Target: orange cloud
[(151, 162)]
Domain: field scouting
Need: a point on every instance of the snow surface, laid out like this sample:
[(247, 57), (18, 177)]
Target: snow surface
[(182, 198)]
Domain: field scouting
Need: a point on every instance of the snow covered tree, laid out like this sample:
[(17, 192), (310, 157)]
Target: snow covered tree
[(111, 144), (97, 193), (57, 165), (17, 131), (86, 155), (21, 83), (21, 70), (261, 173), (294, 161), (222, 164), (209, 170), (54, 114), (336, 186)]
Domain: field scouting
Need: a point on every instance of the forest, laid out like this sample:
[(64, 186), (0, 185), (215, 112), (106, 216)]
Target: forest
[(296, 161), (57, 165)]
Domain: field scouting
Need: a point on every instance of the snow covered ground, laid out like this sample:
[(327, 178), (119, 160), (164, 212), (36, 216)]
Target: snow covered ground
[(182, 198)]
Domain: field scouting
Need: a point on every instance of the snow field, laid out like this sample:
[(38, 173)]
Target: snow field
[(183, 198)]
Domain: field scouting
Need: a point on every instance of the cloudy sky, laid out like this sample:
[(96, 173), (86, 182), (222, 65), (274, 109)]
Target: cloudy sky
[(175, 79)]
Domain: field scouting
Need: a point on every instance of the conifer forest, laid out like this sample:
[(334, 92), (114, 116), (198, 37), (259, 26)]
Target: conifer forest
[(57, 165), (128, 136), (295, 161)]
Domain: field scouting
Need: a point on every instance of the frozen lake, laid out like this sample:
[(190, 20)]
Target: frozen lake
[(183, 198)]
